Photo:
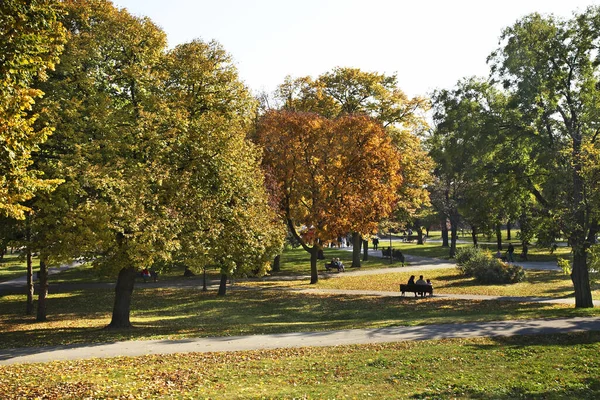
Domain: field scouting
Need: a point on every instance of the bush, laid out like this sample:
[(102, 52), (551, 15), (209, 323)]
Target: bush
[(469, 259), (487, 269)]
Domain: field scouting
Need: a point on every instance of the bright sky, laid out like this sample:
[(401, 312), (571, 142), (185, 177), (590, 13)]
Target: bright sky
[(430, 44)]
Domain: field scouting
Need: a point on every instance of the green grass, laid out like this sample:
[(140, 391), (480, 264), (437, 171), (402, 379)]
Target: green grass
[(552, 284), (79, 316), (435, 250), (296, 262), (528, 367), (11, 266)]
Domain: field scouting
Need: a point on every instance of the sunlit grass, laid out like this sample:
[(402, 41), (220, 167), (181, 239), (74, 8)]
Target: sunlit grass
[(529, 367), (13, 266), (79, 317), (552, 284)]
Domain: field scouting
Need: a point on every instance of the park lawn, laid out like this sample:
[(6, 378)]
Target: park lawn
[(533, 367), (554, 284), (85, 273), (296, 262), (435, 250), (79, 316), (12, 267)]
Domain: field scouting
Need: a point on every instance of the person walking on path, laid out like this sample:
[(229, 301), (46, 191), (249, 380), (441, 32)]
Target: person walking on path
[(510, 252)]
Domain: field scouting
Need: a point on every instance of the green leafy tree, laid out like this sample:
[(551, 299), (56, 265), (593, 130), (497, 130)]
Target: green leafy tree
[(31, 39), (550, 67), (113, 207), (220, 187)]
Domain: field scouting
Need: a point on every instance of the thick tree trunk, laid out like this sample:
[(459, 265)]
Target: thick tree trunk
[(314, 272), (276, 263), (365, 250), (508, 227), (419, 232), (474, 235), (223, 285), (444, 233), (356, 241), (581, 281), (123, 293), (204, 287), (43, 293), (30, 285), (498, 237)]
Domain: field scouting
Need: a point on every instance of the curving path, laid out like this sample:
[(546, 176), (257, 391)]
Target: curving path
[(302, 339)]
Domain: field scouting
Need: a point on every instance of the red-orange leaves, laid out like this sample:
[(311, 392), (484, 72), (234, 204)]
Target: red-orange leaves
[(331, 175)]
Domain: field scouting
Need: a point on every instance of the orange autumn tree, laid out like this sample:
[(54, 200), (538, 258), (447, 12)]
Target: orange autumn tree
[(330, 176)]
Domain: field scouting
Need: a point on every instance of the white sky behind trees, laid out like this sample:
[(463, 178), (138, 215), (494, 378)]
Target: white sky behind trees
[(429, 44)]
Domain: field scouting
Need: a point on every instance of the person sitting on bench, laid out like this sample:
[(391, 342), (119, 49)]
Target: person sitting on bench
[(421, 281)]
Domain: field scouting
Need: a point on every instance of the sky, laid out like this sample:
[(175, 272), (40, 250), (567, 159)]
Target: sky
[(429, 44)]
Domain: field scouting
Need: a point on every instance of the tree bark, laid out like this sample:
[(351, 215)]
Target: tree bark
[(204, 288), (508, 227), (365, 244), (419, 231), (474, 235), (223, 285), (498, 237), (30, 284), (581, 281), (43, 293), (314, 273), (122, 305), (453, 233), (444, 233), (356, 241), (277, 263)]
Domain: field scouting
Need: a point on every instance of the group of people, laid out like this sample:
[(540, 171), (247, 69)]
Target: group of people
[(335, 263), (420, 281)]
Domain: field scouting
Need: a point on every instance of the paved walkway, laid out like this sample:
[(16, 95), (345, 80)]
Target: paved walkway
[(323, 338), (303, 339)]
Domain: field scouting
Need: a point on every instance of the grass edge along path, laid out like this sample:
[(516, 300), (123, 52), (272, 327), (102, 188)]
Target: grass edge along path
[(301, 339), (537, 367)]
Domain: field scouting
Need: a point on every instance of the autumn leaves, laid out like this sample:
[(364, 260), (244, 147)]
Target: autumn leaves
[(333, 176)]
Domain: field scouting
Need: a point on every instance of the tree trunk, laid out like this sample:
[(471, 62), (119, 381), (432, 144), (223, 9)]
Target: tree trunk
[(419, 232), (314, 273), (223, 285), (30, 284), (204, 288), (444, 233), (508, 226), (43, 293), (123, 293), (498, 237), (453, 234), (276, 263), (474, 235), (365, 250), (356, 241), (581, 280)]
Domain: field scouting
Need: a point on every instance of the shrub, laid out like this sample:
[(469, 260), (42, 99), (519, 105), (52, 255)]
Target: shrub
[(487, 269), (469, 259)]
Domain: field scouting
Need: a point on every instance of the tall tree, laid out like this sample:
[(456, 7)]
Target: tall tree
[(550, 66), (350, 91), (113, 207), (219, 185), (332, 176), (32, 39)]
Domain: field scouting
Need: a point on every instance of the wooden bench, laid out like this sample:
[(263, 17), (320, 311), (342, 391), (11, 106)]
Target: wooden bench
[(416, 289)]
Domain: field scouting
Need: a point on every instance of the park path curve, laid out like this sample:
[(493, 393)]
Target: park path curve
[(298, 339)]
